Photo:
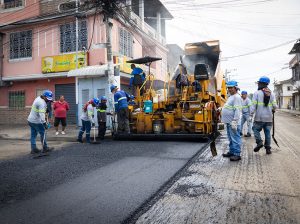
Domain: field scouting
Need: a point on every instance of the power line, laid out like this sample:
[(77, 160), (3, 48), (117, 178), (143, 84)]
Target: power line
[(260, 51)]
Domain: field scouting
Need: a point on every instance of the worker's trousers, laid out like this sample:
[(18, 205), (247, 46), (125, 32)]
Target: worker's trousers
[(35, 130), (86, 127), (246, 118), (258, 126), (123, 120), (101, 129), (235, 140)]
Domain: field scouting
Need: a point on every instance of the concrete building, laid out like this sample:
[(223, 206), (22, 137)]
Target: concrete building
[(284, 94), (39, 51)]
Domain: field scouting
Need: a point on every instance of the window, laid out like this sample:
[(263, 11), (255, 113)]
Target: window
[(8, 4), (85, 95), (100, 92), (126, 42), (21, 45), (16, 99), (68, 36)]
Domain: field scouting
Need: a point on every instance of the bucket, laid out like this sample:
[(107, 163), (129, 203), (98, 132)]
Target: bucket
[(157, 127), (148, 106)]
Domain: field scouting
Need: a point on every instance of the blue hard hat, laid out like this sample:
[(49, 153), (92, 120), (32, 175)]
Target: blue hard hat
[(103, 98), (244, 92), (48, 94), (112, 87), (264, 79), (96, 101), (232, 84)]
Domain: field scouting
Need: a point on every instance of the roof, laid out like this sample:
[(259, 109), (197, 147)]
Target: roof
[(296, 48), (154, 6), (287, 81)]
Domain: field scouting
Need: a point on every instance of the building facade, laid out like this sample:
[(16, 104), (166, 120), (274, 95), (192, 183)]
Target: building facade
[(38, 42), (284, 94)]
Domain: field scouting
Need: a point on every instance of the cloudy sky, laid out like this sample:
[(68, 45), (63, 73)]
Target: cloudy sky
[(242, 26)]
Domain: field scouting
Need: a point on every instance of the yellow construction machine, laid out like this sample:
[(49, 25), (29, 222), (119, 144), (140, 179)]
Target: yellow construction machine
[(185, 107)]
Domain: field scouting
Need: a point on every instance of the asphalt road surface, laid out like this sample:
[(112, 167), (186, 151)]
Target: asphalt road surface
[(81, 183)]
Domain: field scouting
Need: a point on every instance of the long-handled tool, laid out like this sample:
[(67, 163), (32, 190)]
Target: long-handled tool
[(273, 134), (94, 136), (212, 145)]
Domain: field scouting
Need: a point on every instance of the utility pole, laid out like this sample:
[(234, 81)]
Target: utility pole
[(110, 67), (77, 34)]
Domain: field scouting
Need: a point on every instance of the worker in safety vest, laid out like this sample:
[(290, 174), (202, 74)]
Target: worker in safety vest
[(231, 116), (38, 123), (246, 103), (121, 107), (101, 117), (263, 105), (87, 119)]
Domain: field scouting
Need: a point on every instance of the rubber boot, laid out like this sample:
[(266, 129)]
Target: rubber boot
[(34, 149), (88, 138), (79, 139), (268, 150), (235, 158), (258, 147)]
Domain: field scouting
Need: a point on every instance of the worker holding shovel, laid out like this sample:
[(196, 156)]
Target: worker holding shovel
[(264, 105), (37, 121)]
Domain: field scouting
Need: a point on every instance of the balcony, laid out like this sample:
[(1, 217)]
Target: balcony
[(150, 31)]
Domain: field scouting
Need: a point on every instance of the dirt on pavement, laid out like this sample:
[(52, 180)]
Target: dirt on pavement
[(258, 189)]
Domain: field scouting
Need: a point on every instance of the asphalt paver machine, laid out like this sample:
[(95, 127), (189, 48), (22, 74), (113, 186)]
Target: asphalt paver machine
[(184, 107)]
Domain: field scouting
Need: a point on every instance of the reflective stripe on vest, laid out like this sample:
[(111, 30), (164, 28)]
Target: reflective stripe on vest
[(35, 109), (99, 110), (122, 98), (263, 104), (231, 107)]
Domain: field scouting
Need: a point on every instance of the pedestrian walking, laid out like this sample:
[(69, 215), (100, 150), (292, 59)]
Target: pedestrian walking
[(231, 116), (38, 123), (246, 103), (121, 107), (60, 108), (101, 117), (87, 119), (263, 105)]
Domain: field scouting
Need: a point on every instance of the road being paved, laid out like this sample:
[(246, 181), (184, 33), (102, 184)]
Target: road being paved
[(81, 183), (258, 189)]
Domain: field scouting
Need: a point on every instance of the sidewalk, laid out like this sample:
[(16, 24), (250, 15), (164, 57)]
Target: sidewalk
[(22, 132), (293, 112)]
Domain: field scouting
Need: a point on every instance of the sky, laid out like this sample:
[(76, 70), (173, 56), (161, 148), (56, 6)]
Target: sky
[(242, 26)]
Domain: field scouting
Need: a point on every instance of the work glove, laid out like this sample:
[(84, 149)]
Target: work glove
[(45, 125), (250, 119), (93, 124), (234, 125), (273, 111)]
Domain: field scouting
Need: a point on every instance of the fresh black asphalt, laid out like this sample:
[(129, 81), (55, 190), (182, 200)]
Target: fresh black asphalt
[(88, 183)]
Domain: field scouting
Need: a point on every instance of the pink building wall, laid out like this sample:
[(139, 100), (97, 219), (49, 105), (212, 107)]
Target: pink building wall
[(31, 9), (46, 42)]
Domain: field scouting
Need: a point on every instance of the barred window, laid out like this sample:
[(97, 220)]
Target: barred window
[(8, 4), (126, 42), (68, 36), (16, 99), (21, 44)]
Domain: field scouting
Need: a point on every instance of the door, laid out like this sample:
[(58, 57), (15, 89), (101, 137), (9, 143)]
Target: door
[(68, 91)]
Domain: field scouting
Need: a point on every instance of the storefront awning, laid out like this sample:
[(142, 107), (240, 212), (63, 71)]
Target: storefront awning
[(94, 70)]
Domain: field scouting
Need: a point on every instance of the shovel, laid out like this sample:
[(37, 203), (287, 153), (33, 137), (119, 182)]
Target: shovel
[(94, 140), (273, 134)]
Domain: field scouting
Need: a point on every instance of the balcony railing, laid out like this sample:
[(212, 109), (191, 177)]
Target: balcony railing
[(148, 29)]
